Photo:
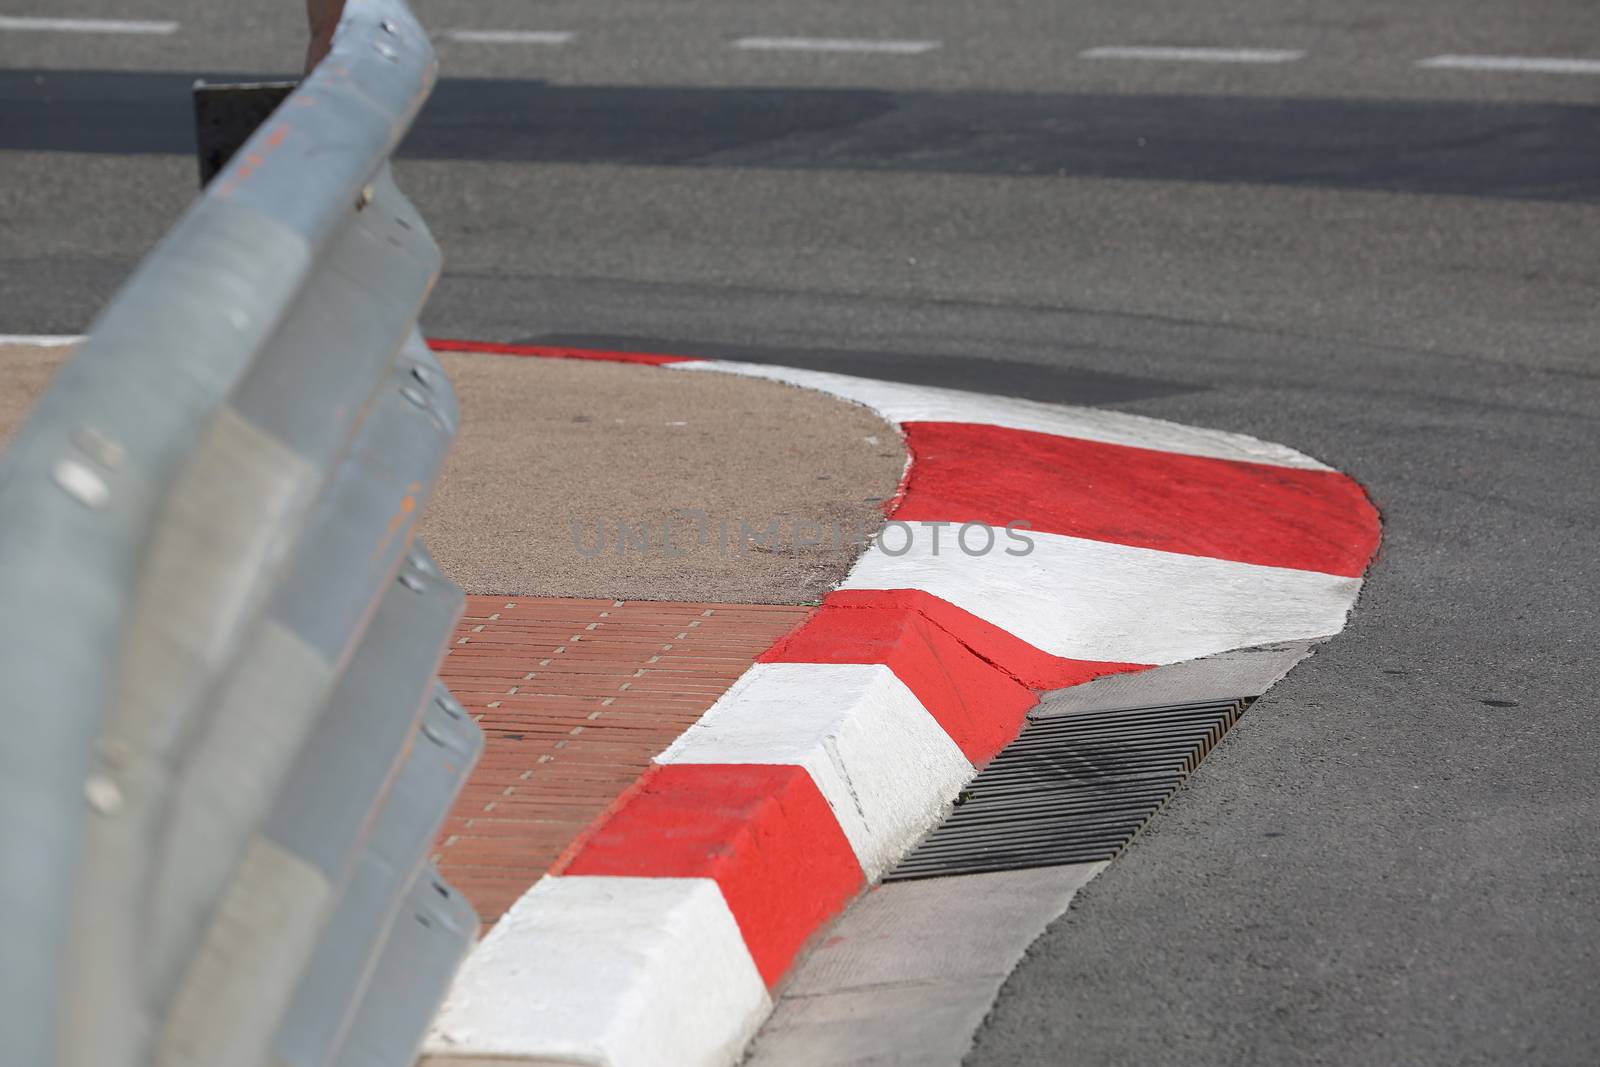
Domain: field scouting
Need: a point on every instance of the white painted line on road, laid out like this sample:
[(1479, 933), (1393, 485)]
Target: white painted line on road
[(39, 340), (1195, 55), (1522, 64), (835, 44), (25, 24), (510, 36)]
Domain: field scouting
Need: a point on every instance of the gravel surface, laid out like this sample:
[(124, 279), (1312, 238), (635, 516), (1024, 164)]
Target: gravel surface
[(725, 488), (555, 455)]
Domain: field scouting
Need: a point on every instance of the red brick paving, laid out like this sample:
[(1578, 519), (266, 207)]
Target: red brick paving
[(575, 697)]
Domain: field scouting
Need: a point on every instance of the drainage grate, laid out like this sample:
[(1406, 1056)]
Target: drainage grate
[(1071, 789)]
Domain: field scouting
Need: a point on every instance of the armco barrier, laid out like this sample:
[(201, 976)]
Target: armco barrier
[(225, 754)]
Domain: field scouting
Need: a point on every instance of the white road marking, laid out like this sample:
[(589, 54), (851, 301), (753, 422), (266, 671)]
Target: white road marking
[(1195, 55), (510, 36), (41, 25), (1521, 64), (835, 44), (40, 340)]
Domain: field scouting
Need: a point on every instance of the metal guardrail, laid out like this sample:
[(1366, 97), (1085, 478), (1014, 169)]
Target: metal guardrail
[(225, 754)]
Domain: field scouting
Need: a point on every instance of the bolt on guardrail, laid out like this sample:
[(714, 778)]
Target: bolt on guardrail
[(227, 754)]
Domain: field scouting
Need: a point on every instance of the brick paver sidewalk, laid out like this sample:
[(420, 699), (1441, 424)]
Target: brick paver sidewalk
[(575, 697)]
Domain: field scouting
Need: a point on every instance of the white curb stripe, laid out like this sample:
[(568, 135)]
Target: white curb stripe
[(620, 972), (1106, 602), (901, 403), (884, 764)]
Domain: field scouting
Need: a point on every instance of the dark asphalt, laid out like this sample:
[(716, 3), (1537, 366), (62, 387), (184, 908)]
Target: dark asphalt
[(1482, 149), (1393, 858)]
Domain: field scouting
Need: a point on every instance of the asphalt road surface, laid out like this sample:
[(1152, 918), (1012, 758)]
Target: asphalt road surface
[(1365, 232)]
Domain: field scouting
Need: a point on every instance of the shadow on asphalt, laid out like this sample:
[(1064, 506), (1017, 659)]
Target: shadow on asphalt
[(1470, 148), (1042, 382)]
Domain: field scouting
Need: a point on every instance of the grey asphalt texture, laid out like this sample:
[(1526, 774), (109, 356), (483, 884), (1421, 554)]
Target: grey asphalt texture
[(1393, 859)]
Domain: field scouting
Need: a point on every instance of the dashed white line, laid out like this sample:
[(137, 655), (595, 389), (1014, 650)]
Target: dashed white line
[(40, 340), (835, 44), (26, 24), (1195, 55), (1524, 64), (510, 36)]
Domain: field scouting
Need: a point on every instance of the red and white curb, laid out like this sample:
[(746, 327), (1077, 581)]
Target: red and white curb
[(660, 936)]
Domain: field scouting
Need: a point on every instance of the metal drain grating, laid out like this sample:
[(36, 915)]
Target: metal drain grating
[(1071, 789)]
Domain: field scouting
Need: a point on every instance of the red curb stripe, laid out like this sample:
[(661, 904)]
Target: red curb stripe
[(764, 832), (976, 702), (1191, 505), (440, 344), (830, 636)]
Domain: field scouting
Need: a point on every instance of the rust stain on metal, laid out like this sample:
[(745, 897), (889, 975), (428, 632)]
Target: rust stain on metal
[(398, 521)]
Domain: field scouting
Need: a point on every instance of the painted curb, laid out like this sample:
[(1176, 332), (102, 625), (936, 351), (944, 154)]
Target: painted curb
[(660, 936)]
